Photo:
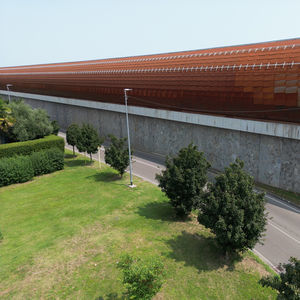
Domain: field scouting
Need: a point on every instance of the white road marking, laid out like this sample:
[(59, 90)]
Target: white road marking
[(266, 260), (284, 204), (272, 224)]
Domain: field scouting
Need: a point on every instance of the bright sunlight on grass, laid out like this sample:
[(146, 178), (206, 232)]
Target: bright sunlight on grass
[(65, 232)]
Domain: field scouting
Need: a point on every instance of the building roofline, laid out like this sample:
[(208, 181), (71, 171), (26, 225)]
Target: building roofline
[(152, 54)]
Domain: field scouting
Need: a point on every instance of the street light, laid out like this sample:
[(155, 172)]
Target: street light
[(128, 135), (7, 87)]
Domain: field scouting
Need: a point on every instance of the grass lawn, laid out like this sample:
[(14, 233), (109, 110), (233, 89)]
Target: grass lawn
[(64, 233)]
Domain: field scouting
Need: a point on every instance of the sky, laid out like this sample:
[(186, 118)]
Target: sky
[(48, 31)]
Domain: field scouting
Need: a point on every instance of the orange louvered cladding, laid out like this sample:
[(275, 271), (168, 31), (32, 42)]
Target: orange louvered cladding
[(257, 81)]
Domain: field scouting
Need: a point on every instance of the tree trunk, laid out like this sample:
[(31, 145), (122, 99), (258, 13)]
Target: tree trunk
[(73, 151), (91, 156)]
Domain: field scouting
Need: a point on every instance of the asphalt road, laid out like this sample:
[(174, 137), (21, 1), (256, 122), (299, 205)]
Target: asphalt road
[(282, 238)]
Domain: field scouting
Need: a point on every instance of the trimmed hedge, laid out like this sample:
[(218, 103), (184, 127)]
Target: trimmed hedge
[(47, 161), (22, 168), (28, 147), (15, 170)]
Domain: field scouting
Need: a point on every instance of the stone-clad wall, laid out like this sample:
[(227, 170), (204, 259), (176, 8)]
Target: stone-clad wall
[(271, 160)]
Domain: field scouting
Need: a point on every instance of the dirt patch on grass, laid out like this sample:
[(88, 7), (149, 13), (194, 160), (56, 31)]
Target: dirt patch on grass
[(249, 265)]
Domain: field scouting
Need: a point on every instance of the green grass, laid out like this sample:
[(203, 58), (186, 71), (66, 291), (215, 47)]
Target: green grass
[(287, 195), (64, 233)]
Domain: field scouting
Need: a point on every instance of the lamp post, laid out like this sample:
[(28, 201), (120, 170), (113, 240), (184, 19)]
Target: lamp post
[(128, 136), (7, 87)]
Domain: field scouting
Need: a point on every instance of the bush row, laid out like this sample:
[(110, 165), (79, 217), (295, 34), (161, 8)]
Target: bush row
[(22, 168), (28, 147)]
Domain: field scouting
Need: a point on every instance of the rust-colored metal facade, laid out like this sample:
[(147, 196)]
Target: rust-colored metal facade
[(255, 81)]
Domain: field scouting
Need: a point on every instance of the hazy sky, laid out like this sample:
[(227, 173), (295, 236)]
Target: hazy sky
[(45, 31)]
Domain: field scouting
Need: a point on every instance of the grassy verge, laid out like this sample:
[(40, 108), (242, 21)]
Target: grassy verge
[(287, 195), (64, 233)]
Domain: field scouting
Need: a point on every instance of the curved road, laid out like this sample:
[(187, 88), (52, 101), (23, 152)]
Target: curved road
[(282, 238)]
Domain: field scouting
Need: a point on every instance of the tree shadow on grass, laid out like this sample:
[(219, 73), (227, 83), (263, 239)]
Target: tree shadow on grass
[(200, 252), (112, 296), (157, 211), (78, 163), (105, 176), (160, 211), (68, 155)]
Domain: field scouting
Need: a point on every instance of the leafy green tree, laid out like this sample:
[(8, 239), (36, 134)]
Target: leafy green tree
[(287, 284), (88, 140), (72, 135), (55, 127), (233, 211), (29, 123), (184, 179), (116, 155), (6, 118), (143, 279)]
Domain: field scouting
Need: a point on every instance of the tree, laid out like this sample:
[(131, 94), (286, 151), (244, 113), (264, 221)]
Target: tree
[(233, 211), (55, 126), (6, 118), (88, 140), (143, 279), (184, 179), (116, 155), (287, 283), (72, 135), (29, 123)]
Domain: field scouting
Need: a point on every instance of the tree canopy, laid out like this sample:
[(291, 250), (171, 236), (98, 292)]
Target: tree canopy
[(287, 284), (116, 155), (6, 118), (88, 140), (233, 211), (29, 123), (72, 135), (184, 179)]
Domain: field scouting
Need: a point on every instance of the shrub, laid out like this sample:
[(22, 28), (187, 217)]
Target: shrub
[(287, 283), (22, 168), (56, 158), (40, 162), (116, 155), (72, 135), (26, 148), (15, 170), (233, 211), (29, 123), (47, 161), (143, 279), (184, 179)]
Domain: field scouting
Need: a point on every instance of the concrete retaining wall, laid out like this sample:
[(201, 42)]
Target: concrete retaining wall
[(273, 160)]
